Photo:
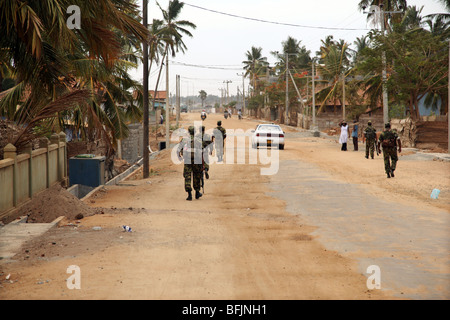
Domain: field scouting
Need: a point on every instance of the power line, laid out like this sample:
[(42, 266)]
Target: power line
[(204, 66), (273, 22)]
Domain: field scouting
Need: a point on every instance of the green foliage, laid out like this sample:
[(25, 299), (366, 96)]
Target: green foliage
[(255, 102), (60, 72)]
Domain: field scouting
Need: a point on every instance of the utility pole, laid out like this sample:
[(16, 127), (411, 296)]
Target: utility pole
[(286, 121), (227, 82), (343, 96), (383, 74), (145, 94), (177, 99), (167, 101), (243, 91), (313, 93), (448, 101), (374, 9)]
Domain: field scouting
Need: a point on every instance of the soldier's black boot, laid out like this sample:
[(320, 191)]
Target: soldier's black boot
[(206, 174), (197, 194), (388, 175), (189, 196), (392, 173)]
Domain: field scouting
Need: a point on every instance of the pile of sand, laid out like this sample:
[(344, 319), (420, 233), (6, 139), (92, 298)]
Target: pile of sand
[(52, 203)]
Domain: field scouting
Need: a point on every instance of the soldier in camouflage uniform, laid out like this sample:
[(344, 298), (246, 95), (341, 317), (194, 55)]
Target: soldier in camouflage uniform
[(207, 150), (389, 140), (370, 136), (219, 135), (190, 149)]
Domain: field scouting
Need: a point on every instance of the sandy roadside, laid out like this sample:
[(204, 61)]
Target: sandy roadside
[(228, 245)]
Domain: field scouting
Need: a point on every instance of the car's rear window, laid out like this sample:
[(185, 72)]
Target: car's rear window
[(269, 128)]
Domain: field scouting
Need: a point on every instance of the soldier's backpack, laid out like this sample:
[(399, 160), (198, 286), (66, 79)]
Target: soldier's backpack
[(192, 151), (370, 133), (389, 139)]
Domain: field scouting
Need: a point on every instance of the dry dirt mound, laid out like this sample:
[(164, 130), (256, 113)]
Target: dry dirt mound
[(53, 203)]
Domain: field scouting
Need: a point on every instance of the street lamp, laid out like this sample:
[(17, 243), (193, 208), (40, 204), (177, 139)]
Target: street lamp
[(374, 9)]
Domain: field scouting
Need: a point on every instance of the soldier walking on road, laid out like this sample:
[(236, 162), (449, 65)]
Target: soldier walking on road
[(190, 149), (389, 140), (370, 135), (219, 135), (207, 146)]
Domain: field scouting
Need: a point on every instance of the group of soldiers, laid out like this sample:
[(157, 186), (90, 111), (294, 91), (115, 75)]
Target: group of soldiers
[(389, 141), (195, 150)]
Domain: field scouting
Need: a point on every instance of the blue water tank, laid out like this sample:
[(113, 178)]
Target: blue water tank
[(87, 170)]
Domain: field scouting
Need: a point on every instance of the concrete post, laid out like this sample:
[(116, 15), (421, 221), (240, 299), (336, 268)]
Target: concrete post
[(44, 143), (9, 152), (29, 150), (54, 139), (62, 138)]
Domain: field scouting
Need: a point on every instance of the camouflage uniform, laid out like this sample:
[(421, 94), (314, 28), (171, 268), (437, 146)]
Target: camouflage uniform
[(389, 141), (371, 136), (207, 146), (190, 149), (219, 138)]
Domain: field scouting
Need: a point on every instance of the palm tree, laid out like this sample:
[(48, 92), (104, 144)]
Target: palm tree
[(254, 65), (332, 70), (360, 43), (438, 26), (441, 16), (299, 56), (412, 20), (202, 95), (388, 5), (48, 58), (172, 32), (325, 47)]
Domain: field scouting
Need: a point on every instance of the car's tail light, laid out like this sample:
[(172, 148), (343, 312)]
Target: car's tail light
[(281, 135)]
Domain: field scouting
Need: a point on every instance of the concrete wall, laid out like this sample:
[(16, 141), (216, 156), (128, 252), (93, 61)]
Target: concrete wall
[(132, 146), (23, 175)]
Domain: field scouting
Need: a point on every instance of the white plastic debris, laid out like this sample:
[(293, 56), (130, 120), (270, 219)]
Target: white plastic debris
[(126, 228)]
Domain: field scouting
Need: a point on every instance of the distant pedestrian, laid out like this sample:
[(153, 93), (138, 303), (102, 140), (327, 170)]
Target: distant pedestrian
[(344, 135), (370, 137), (219, 136), (389, 141), (355, 135), (161, 119)]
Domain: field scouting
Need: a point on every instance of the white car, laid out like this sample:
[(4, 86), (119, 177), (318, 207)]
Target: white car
[(268, 135)]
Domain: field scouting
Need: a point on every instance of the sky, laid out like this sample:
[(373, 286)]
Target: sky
[(214, 55)]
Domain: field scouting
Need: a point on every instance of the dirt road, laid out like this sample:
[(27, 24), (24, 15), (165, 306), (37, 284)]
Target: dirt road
[(248, 237)]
